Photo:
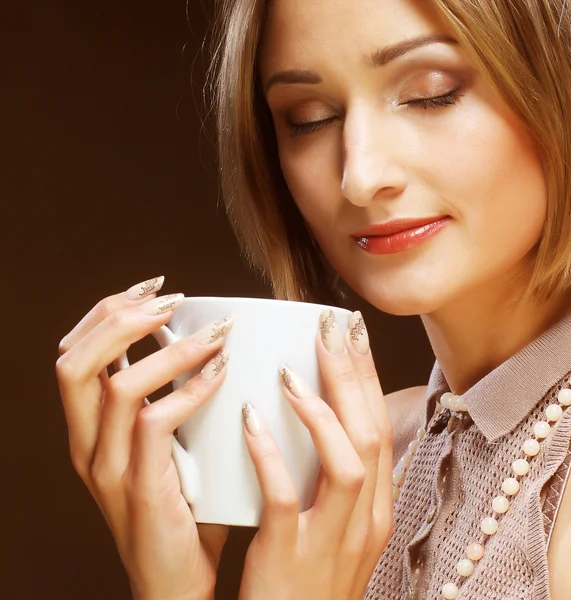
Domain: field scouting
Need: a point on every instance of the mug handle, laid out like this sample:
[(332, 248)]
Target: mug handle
[(183, 460)]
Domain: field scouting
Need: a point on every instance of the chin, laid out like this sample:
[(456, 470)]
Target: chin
[(402, 306), (400, 300)]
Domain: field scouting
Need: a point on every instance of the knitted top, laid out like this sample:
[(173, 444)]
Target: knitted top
[(459, 469)]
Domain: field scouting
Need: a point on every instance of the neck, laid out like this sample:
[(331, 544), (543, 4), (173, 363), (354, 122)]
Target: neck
[(476, 334)]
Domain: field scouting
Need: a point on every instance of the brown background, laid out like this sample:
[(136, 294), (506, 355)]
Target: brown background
[(109, 179)]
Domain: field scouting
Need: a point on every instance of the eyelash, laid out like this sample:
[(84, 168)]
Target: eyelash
[(424, 103)]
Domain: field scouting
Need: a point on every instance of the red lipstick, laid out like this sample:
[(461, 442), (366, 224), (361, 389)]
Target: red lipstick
[(398, 235)]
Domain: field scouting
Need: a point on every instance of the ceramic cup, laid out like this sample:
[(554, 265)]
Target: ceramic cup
[(217, 476)]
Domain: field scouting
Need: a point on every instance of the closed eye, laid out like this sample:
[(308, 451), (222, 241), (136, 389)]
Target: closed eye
[(307, 128), (450, 99), (436, 102)]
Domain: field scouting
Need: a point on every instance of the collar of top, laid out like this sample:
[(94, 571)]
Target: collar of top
[(500, 401)]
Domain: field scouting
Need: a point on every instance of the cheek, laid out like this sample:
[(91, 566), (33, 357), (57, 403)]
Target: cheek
[(314, 180), (488, 172), (479, 165)]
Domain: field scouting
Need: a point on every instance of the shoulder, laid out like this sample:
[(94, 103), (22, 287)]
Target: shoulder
[(407, 411)]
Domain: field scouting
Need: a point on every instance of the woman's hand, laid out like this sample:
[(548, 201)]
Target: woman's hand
[(330, 551), (121, 447)]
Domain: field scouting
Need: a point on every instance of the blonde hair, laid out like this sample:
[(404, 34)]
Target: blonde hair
[(523, 48)]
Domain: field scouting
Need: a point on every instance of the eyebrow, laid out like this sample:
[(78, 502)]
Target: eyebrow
[(377, 58)]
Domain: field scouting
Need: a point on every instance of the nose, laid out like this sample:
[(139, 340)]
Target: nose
[(371, 169)]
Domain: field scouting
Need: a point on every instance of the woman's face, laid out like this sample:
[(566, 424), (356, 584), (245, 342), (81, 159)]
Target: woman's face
[(368, 135)]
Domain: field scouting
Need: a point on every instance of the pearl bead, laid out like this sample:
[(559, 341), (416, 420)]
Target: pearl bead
[(489, 526), (542, 429), (405, 461), (396, 493), (520, 467), (465, 567), (445, 399), (500, 504), (564, 397), (531, 447), (413, 447), (553, 412), (510, 486), (450, 591), (421, 432), (459, 404), (398, 477), (475, 552)]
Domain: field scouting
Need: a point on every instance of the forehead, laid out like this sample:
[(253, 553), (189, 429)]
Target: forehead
[(302, 32)]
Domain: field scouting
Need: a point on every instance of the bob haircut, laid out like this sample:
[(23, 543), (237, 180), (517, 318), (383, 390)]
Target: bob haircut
[(523, 48)]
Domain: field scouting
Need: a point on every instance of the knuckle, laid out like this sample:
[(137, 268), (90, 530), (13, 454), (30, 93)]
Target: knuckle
[(360, 543), (118, 319), (147, 419), (102, 478), (180, 352), (268, 449), (284, 503), (190, 395), (116, 387), (385, 433), (104, 308), (352, 478), (369, 372), (369, 444), (66, 368), (346, 375), (322, 413)]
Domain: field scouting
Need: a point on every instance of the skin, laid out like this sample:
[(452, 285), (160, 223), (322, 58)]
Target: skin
[(121, 448), (381, 158)]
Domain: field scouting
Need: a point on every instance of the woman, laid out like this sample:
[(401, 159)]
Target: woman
[(336, 121)]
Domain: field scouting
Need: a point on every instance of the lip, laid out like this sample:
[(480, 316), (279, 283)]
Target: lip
[(398, 235), (395, 226)]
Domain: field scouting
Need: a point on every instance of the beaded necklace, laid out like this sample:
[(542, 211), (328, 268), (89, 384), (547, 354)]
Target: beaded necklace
[(456, 407)]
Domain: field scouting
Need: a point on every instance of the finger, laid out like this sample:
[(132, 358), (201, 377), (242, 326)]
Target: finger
[(280, 517), (78, 370), (134, 295), (82, 415), (113, 336), (127, 389), (375, 492), (317, 488), (344, 472), (213, 538), (346, 397), (344, 368), (359, 349), (151, 457)]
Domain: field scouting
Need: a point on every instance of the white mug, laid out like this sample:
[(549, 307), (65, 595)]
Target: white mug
[(216, 473)]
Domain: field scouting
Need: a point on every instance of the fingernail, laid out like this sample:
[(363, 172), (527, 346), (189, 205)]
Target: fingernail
[(331, 332), (144, 289), (215, 365), (358, 333), (162, 304), (252, 420), (294, 383), (214, 331)]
